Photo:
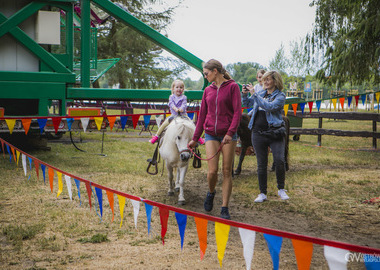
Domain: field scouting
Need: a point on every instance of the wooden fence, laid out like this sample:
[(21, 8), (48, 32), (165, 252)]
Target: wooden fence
[(374, 117)]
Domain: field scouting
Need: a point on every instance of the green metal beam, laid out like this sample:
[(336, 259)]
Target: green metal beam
[(35, 48), (126, 94), (85, 42), (37, 76)]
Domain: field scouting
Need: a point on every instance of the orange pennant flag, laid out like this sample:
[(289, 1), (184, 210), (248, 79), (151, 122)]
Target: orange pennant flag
[(304, 252), (26, 124), (294, 106), (341, 100), (51, 178), (111, 121), (11, 124), (56, 122), (13, 153), (202, 234), (135, 119), (36, 165), (110, 200)]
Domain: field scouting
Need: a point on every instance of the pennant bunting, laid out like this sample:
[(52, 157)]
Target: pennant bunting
[(318, 104), (164, 216), (60, 184), (98, 122), (111, 202), (17, 157), (56, 123), (201, 224), (147, 120), (363, 98), (336, 257), (190, 115), (274, 245), (68, 185), (77, 183), (51, 178), (11, 124), (310, 103), (135, 120), (23, 158), (181, 222), (377, 97), (250, 109), (341, 101), (286, 108), (30, 167), (89, 192), (111, 121), (136, 210), (327, 102), (69, 122), (371, 262), (148, 211), (294, 106), (302, 106), (121, 200), (334, 100), (13, 154), (349, 100), (96, 200), (84, 121), (123, 121), (42, 123), (43, 167), (159, 119), (36, 166), (303, 251), (221, 234), (26, 124), (248, 240), (10, 155), (356, 101), (99, 195)]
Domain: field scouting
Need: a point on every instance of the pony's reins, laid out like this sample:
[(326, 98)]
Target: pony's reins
[(206, 159)]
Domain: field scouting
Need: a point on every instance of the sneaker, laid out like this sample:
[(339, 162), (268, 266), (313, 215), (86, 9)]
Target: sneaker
[(201, 140), (282, 194), (262, 197), (224, 213), (209, 201), (154, 139)]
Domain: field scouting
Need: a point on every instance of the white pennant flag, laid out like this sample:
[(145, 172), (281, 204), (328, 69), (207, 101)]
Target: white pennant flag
[(136, 209), (336, 258), (84, 122), (23, 157), (68, 184), (248, 240), (327, 102), (158, 120)]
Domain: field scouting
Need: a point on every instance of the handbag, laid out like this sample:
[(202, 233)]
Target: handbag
[(274, 133)]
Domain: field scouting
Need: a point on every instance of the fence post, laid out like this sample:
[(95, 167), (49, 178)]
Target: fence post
[(320, 135), (374, 140)]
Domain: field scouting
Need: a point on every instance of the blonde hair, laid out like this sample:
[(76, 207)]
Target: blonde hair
[(276, 78), (175, 82), (260, 71), (212, 63)]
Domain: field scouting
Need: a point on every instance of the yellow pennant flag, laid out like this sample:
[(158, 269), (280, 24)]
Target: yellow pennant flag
[(286, 108), (378, 96), (60, 184), (221, 235), (11, 124), (121, 205), (334, 103), (98, 122), (17, 157)]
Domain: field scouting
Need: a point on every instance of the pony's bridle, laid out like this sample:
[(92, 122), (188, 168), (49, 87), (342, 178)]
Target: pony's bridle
[(186, 150)]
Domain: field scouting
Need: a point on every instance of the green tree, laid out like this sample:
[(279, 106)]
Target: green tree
[(141, 64), (348, 32), (244, 72)]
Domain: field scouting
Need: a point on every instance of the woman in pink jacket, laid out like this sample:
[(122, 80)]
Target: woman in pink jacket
[(219, 118)]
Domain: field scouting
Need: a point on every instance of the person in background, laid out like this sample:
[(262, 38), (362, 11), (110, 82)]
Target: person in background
[(178, 105), (267, 106), (219, 118), (259, 86)]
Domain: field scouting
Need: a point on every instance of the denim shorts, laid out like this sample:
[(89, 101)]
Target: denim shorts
[(218, 138)]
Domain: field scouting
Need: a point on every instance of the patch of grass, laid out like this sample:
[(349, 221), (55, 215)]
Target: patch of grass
[(143, 242), (18, 233), (96, 238), (49, 243)]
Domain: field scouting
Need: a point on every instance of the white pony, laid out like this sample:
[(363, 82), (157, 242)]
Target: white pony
[(173, 149)]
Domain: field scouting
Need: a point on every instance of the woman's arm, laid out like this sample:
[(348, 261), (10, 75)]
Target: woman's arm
[(277, 104)]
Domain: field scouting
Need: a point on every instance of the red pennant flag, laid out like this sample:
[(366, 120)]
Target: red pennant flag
[(135, 119), (26, 124), (310, 103), (341, 100), (51, 178), (164, 216), (110, 200), (37, 165), (89, 192), (294, 106), (56, 122), (111, 121), (356, 100)]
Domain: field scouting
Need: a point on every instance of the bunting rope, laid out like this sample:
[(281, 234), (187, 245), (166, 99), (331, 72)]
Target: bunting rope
[(244, 226)]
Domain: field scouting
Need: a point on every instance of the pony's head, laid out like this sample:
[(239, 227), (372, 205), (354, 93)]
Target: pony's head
[(181, 140)]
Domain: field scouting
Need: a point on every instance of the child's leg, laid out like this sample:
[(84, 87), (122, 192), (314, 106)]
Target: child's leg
[(163, 126)]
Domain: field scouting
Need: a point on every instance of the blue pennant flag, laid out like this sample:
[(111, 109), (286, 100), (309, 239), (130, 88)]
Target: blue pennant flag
[(95, 196), (77, 183), (30, 167), (146, 120), (249, 109), (69, 121), (363, 98), (148, 210), (371, 262), (302, 106), (181, 221), (43, 167), (274, 246), (123, 121), (318, 103), (99, 194), (42, 124), (10, 155), (349, 100), (190, 115)]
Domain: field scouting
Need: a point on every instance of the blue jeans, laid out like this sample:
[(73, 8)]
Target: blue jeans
[(218, 138), (260, 144)]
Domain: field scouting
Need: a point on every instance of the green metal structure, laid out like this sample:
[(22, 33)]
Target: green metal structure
[(55, 78)]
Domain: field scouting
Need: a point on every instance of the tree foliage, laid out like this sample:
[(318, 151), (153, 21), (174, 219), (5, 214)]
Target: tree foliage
[(348, 32), (244, 72)]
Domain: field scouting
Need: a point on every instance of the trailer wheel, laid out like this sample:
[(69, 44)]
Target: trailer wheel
[(296, 137)]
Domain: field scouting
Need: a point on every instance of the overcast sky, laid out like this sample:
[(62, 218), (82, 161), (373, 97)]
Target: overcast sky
[(239, 30)]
